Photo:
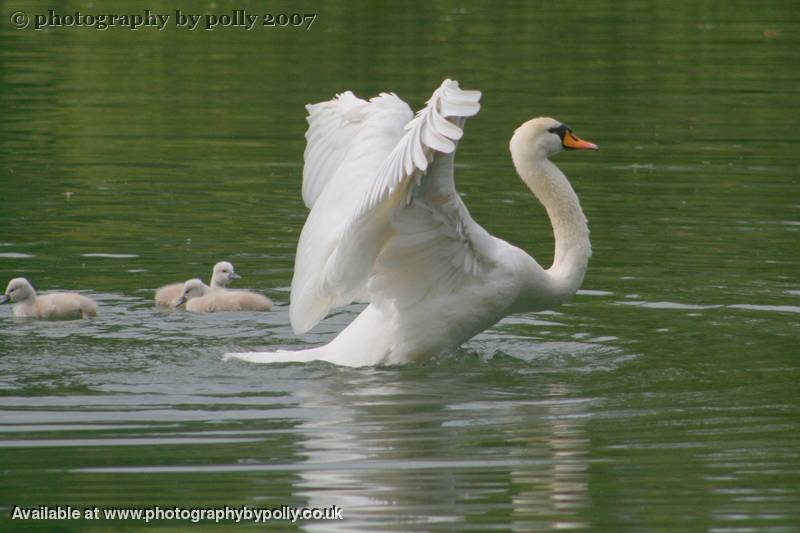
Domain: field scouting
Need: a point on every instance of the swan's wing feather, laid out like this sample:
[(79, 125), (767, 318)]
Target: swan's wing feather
[(436, 128), (348, 140), (332, 126), (412, 233)]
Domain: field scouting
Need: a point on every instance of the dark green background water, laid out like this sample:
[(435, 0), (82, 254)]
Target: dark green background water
[(665, 396)]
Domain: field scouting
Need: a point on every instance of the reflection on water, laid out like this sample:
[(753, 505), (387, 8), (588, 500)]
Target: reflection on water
[(365, 456), (662, 397)]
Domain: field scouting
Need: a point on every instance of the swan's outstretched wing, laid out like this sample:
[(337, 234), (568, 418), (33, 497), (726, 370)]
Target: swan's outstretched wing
[(410, 233), (348, 139), (434, 245), (332, 127)]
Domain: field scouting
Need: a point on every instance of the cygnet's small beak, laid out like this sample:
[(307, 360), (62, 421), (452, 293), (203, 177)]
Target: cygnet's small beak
[(5, 298), (180, 301), (573, 142), (234, 275)]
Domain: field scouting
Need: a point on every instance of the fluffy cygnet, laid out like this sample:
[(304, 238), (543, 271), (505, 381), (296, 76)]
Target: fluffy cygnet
[(222, 274), (193, 288), (58, 305), (229, 300)]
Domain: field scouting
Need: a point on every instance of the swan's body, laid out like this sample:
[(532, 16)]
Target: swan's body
[(222, 274), (199, 298), (55, 306), (386, 220)]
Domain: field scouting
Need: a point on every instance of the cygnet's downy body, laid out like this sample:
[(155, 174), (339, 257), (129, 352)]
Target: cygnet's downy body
[(54, 306), (221, 276), (229, 300), (200, 298)]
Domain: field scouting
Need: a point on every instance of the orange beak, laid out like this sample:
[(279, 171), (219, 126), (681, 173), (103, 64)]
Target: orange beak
[(573, 142)]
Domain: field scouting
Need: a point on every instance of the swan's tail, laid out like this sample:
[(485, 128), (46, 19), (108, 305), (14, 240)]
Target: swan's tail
[(281, 356)]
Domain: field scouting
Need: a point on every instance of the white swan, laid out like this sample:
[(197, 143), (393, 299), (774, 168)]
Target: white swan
[(55, 306), (221, 276), (200, 298), (385, 217)]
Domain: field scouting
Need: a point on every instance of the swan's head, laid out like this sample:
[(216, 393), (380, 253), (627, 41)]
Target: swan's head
[(545, 136), (18, 290), (193, 288), (223, 274)]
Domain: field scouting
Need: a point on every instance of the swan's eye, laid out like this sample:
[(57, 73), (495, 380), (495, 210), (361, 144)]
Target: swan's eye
[(560, 130)]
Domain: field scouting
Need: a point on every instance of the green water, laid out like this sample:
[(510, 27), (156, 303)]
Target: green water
[(664, 396)]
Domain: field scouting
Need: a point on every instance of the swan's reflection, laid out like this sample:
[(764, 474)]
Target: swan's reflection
[(560, 490), (392, 452)]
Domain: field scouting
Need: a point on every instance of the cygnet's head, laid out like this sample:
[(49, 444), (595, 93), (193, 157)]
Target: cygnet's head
[(223, 274), (545, 136), (193, 288), (18, 290)]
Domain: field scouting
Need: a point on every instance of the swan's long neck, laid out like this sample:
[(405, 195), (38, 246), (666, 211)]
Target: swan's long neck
[(570, 230)]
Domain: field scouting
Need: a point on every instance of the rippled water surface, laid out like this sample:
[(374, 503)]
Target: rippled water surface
[(664, 396)]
